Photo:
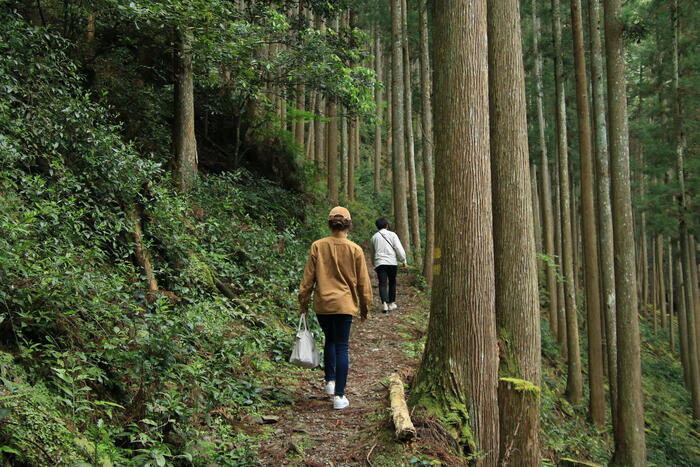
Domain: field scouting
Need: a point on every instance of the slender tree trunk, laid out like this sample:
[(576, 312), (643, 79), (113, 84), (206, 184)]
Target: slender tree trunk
[(671, 304), (90, 34), (644, 260), (517, 295), (655, 282), (410, 140), (353, 149), (397, 123), (630, 448), (561, 302), (332, 151), (574, 381), (605, 226), (183, 131), (537, 219), (299, 120), (320, 132), (547, 216), (661, 280), (691, 325), (378, 64), (427, 137), (590, 240), (459, 373), (310, 134), (682, 319), (344, 154)]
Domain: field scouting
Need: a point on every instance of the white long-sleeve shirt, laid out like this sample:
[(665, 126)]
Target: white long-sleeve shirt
[(387, 248)]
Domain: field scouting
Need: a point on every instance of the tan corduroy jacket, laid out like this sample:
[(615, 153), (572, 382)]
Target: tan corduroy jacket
[(337, 268)]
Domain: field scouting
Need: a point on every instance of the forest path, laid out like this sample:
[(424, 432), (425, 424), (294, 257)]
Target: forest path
[(310, 432)]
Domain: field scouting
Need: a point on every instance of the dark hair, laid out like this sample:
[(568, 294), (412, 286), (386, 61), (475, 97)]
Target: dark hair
[(382, 223), (339, 223)]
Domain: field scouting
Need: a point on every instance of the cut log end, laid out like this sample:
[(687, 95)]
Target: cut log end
[(405, 431)]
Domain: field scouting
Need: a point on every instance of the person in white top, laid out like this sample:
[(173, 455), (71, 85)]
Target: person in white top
[(388, 252)]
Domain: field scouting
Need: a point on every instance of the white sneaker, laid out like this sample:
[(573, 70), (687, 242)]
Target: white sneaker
[(330, 388), (392, 306), (340, 402), (385, 307)]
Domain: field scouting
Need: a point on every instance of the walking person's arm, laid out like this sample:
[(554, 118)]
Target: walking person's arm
[(364, 286), (307, 282), (400, 252)]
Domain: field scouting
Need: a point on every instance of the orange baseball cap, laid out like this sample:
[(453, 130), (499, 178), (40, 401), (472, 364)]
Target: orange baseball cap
[(339, 211)]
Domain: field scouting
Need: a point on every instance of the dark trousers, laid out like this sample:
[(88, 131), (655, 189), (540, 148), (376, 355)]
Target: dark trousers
[(387, 282), (336, 362)]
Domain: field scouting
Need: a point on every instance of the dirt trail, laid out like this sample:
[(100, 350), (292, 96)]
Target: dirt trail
[(311, 432)]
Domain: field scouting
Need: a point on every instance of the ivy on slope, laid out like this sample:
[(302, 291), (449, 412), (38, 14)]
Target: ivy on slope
[(92, 369)]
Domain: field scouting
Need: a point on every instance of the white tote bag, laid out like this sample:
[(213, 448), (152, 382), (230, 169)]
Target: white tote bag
[(304, 353)]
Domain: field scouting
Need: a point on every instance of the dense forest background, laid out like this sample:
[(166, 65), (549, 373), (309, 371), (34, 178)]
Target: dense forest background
[(164, 166)]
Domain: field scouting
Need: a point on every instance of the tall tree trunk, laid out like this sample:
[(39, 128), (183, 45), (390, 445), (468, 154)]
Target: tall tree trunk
[(630, 448), (691, 326), (547, 216), (378, 64), (561, 302), (661, 280), (588, 218), (353, 149), (671, 304), (299, 120), (311, 133), (332, 151), (344, 154), (682, 320), (574, 380), (536, 217), (427, 140), (183, 130), (685, 256), (397, 123), (459, 372), (320, 132), (410, 140), (605, 226), (517, 294)]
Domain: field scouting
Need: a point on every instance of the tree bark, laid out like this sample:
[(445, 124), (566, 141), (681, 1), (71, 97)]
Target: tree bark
[(682, 320), (397, 123), (320, 132), (574, 380), (671, 304), (517, 294), (378, 64), (353, 149), (410, 140), (547, 216), (332, 151), (299, 121), (561, 305), (458, 376), (661, 280), (183, 131), (630, 448), (605, 226), (588, 219), (344, 154), (427, 139), (311, 133)]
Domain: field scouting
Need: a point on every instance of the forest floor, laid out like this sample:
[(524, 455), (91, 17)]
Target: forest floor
[(311, 433)]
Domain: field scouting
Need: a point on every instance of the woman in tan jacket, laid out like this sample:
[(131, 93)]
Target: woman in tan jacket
[(336, 273)]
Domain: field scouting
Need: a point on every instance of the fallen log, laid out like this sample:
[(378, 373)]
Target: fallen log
[(405, 430)]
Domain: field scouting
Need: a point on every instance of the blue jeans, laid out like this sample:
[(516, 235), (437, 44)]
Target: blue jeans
[(336, 329)]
